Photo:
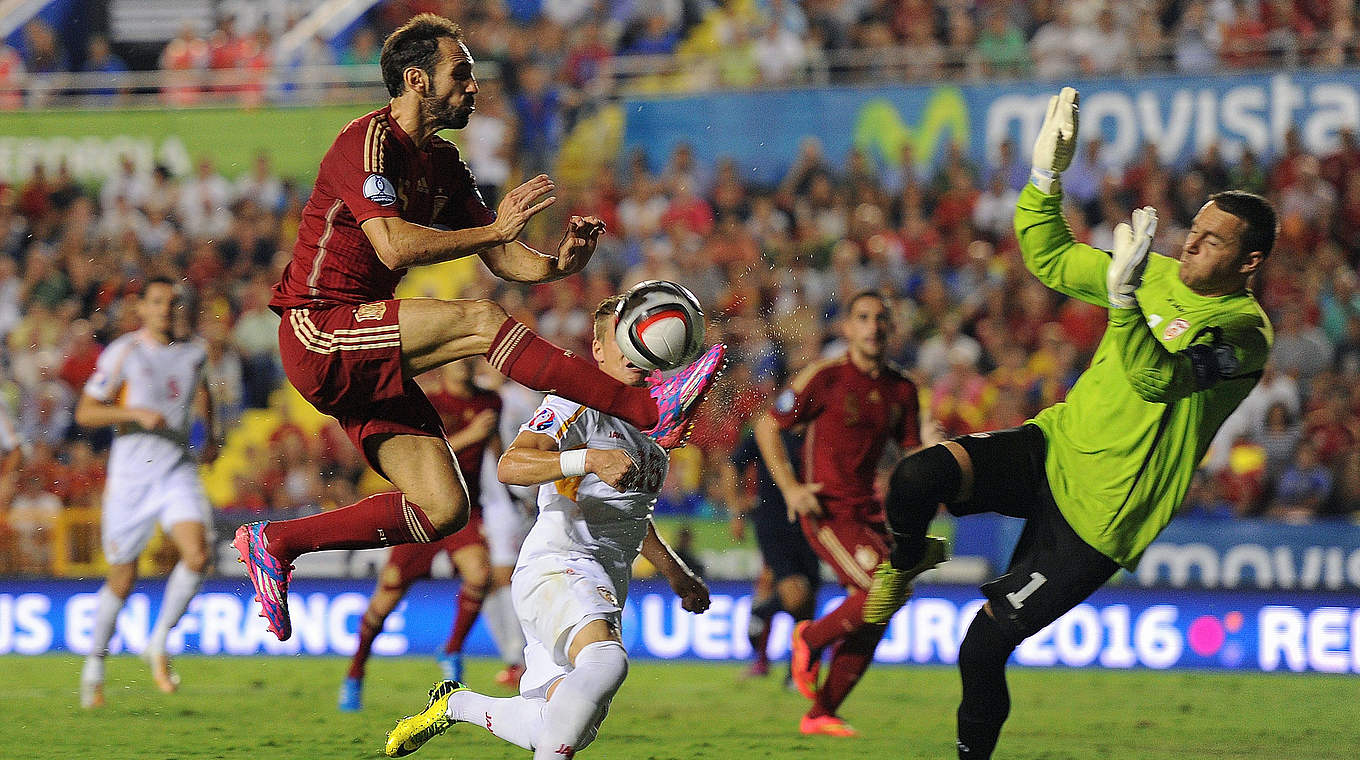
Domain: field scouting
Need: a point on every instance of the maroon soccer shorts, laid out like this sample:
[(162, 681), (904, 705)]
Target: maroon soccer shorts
[(413, 561), (852, 547), (346, 361)]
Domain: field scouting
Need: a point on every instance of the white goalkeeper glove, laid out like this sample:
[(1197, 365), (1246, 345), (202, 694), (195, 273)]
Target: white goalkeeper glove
[(1057, 140), (1129, 259)]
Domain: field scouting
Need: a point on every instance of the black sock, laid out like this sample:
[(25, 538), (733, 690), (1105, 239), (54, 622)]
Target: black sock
[(986, 700), (918, 485)]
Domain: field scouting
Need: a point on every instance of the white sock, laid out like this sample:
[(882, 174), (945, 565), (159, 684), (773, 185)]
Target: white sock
[(499, 613), (518, 720), (180, 588), (582, 697), (105, 619)]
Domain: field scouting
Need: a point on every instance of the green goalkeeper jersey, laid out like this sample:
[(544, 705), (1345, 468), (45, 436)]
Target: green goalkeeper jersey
[(1124, 445)]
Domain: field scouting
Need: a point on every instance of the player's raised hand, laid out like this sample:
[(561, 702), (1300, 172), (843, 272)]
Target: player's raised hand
[(616, 467), (1057, 140), (1129, 257), (520, 204), (801, 499), (578, 243)]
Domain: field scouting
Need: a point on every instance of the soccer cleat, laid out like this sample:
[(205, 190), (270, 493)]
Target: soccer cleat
[(351, 695), (803, 666), (891, 587), (677, 397), (826, 725), (510, 675), (91, 694), (167, 680), (411, 732), (451, 665), (269, 576)]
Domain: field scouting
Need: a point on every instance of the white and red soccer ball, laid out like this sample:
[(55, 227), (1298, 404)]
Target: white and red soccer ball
[(659, 325)]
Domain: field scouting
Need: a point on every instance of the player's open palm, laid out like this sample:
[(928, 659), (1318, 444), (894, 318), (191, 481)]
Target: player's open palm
[(521, 204), (615, 467), (801, 499), (578, 243)]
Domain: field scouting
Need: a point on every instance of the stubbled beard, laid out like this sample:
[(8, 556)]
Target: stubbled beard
[(444, 115)]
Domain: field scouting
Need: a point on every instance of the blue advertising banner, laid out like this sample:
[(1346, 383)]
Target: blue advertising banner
[(1182, 116), (1117, 628)]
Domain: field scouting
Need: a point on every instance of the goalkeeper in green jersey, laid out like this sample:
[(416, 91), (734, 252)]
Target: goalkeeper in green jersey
[(1096, 477)]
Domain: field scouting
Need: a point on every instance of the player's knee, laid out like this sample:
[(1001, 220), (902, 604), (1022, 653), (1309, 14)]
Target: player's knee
[(930, 476), (987, 644), (448, 513), (195, 559), (486, 316)]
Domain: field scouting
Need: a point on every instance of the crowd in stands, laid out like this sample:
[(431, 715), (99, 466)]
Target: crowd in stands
[(988, 343), (561, 54)]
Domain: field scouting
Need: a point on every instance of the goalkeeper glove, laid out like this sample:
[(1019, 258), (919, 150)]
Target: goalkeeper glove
[(1057, 140), (1129, 259)]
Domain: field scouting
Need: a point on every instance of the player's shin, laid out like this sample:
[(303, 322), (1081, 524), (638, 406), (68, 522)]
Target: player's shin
[(180, 588), (986, 700), (580, 697), (919, 484), (518, 720)]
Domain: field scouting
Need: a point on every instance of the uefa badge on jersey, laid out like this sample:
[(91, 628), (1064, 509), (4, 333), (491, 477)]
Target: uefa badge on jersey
[(379, 190), (542, 420), (784, 403)]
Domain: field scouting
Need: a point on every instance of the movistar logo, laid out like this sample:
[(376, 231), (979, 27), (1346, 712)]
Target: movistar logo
[(881, 131)]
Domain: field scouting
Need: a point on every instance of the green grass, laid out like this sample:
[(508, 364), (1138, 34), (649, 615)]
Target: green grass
[(285, 708)]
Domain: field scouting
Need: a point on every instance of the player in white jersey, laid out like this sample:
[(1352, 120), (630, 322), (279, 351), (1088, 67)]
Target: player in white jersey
[(149, 384), (600, 477)]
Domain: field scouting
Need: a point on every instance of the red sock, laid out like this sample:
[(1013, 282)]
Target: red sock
[(383, 519), (847, 666), (469, 607), (368, 631), (836, 624), (524, 357)]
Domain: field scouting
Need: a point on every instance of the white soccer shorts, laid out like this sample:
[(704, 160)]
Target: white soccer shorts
[(555, 597), (133, 507)]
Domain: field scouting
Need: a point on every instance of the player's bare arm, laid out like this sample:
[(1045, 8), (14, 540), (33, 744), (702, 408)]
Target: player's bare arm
[(93, 413), (800, 498), (480, 428), (518, 262), (533, 459), (203, 407), (691, 589)]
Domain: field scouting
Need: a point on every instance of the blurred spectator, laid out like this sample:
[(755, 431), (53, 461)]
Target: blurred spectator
[(363, 50), (1303, 488), (1055, 55), (1001, 46), (540, 126)]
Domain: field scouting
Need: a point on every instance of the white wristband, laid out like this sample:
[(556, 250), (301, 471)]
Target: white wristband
[(573, 463)]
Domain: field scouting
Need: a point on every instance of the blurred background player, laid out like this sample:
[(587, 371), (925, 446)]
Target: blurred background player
[(599, 481), (791, 572), (149, 384), (1098, 476), (851, 407), (470, 415), (390, 194)]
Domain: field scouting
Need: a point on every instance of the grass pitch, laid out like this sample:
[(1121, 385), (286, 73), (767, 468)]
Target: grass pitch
[(254, 708)]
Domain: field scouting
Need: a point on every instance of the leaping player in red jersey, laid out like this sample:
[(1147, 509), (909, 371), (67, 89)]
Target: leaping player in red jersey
[(391, 194), (851, 407)]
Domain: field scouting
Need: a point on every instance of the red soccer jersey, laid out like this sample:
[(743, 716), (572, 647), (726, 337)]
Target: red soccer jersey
[(456, 412), (850, 417), (373, 169)]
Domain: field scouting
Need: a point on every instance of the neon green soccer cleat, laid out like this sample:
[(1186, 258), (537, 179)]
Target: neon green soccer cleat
[(411, 732), (891, 587)]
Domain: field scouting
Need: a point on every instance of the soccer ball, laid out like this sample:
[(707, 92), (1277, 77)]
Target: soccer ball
[(659, 325)]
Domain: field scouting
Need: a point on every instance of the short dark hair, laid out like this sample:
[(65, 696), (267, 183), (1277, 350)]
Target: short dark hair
[(160, 279), (1257, 212), (415, 43), (604, 316), (866, 293)]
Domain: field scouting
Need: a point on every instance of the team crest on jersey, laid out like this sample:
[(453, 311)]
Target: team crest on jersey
[(607, 595), (542, 420), (866, 557), (1177, 326), (784, 404), (370, 312), (379, 190)]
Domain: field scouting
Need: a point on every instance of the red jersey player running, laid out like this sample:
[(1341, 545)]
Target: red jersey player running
[(852, 407), (391, 194)]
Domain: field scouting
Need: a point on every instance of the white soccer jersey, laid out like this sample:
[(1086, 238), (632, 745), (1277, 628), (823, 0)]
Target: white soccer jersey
[(582, 516), (141, 373)]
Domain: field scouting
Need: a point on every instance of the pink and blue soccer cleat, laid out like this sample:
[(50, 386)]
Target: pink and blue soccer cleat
[(677, 397), (268, 575)]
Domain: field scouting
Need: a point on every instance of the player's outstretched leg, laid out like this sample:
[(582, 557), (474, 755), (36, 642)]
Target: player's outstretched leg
[(891, 586), (677, 397), (986, 700), (411, 732), (268, 575)]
